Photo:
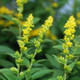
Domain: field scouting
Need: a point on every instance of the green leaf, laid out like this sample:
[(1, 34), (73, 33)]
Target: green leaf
[(5, 63), (58, 59), (14, 30), (47, 40), (75, 78), (4, 50), (8, 18), (33, 70), (59, 47), (36, 20), (41, 73), (72, 65), (2, 77), (8, 74), (26, 62), (53, 61), (57, 73)]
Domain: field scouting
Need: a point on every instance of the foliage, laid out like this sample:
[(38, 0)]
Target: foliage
[(34, 46)]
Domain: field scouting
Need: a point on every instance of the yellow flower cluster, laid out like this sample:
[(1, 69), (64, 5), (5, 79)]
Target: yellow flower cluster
[(70, 56), (44, 28), (26, 31), (48, 34), (78, 15), (21, 2), (62, 59), (4, 10), (47, 24), (78, 18), (60, 78), (1, 22), (27, 28), (69, 34), (55, 4), (67, 68)]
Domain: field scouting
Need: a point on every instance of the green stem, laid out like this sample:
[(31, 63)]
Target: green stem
[(65, 75), (32, 60), (20, 30), (18, 69)]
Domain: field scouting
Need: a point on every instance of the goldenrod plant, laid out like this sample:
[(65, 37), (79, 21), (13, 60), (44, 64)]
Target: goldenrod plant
[(34, 46), (23, 58)]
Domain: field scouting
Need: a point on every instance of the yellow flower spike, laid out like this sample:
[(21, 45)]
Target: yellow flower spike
[(69, 34), (69, 44), (70, 23)]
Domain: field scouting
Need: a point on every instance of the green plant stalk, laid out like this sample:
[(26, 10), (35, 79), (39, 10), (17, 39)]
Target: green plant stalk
[(20, 50), (65, 75), (32, 60)]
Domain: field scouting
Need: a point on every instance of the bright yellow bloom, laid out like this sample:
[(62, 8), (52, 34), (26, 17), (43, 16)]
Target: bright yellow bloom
[(78, 15), (69, 44), (26, 31), (78, 21), (69, 34), (27, 28), (1, 22), (44, 28), (4, 10), (70, 23), (47, 24), (55, 4), (21, 2)]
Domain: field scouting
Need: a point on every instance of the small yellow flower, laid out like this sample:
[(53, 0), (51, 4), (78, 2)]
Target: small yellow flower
[(78, 21), (55, 4), (1, 22), (78, 15), (69, 44), (4, 10)]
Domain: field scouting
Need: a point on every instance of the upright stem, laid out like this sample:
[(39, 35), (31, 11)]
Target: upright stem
[(65, 75), (20, 30), (32, 60), (20, 51)]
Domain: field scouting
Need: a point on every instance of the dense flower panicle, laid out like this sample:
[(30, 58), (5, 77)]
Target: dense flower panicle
[(69, 34), (26, 29), (44, 28), (47, 24), (70, 23)]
